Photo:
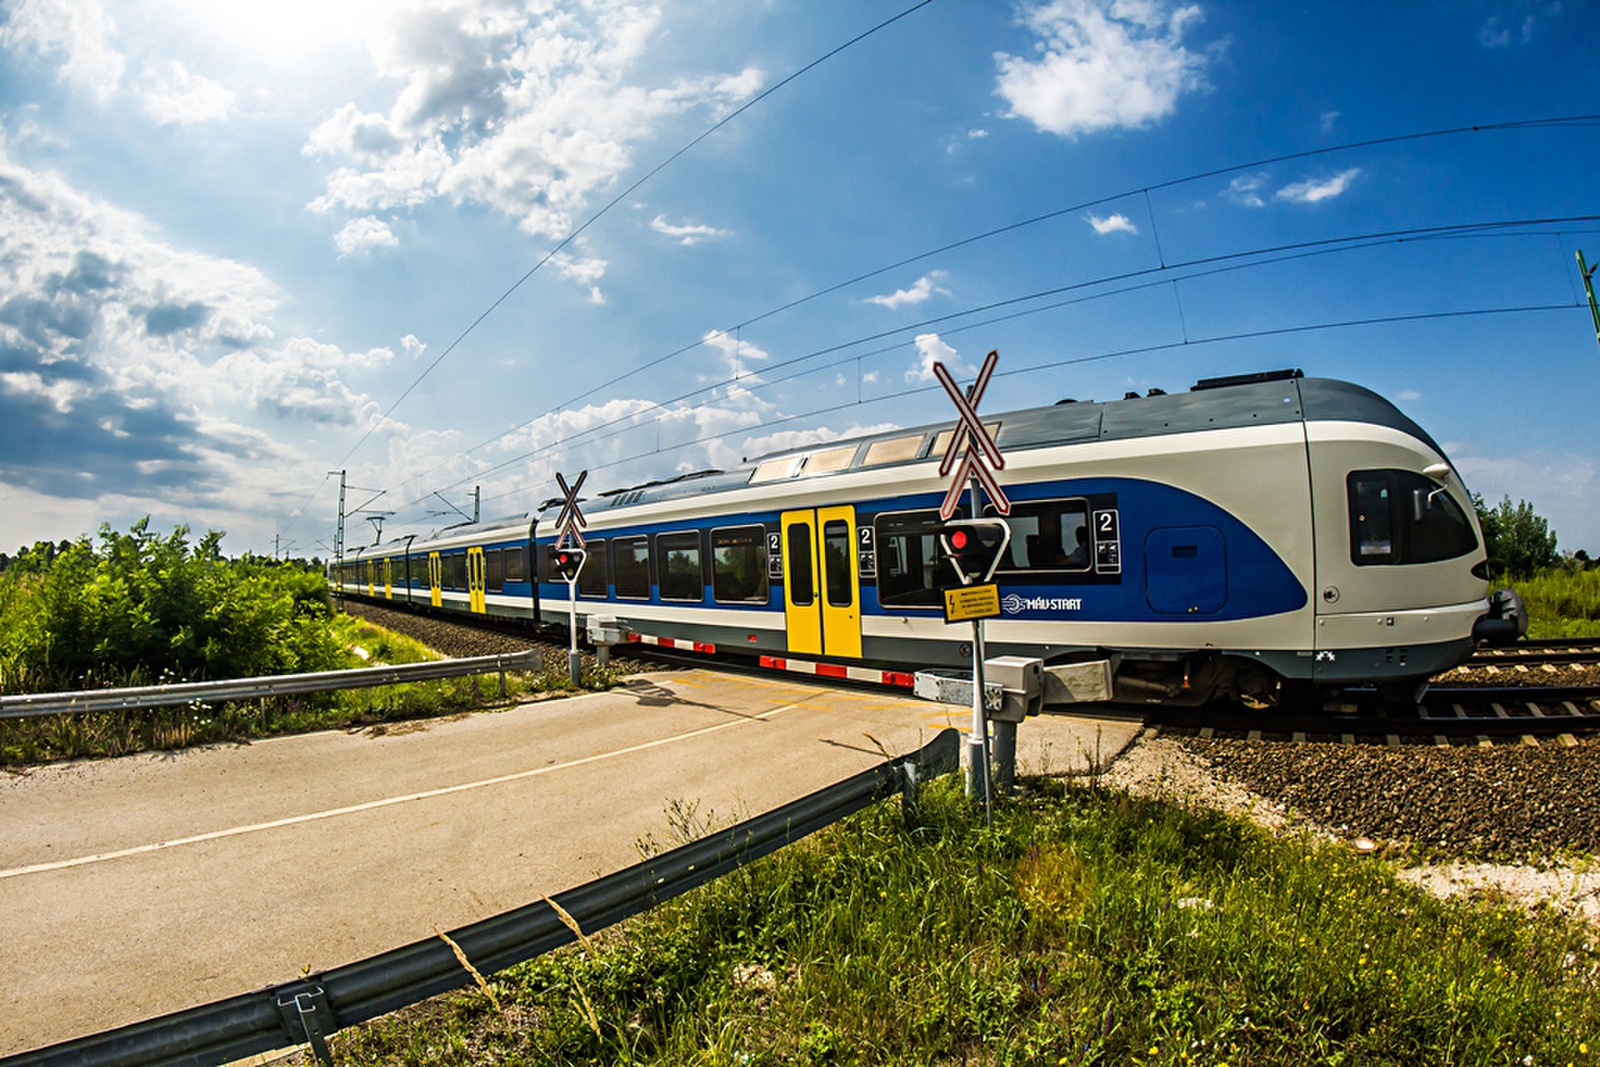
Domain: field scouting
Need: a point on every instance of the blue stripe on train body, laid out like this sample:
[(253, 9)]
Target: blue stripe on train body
[(1183, 559), (1231, 574)]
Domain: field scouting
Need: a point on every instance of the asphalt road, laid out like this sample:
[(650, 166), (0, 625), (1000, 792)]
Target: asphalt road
[(142, 885)]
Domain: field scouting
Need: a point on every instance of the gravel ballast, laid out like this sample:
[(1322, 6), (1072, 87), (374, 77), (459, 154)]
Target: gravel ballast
[(461, 640), (1509, 801)]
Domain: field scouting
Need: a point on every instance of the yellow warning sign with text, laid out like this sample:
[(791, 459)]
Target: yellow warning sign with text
[(972, 602)]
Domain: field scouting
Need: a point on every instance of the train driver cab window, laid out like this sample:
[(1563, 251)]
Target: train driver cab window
[(678, 565), (1047, 536), (1400, 517), (592, 577), (739, 565), (630, 567), (911, 567)]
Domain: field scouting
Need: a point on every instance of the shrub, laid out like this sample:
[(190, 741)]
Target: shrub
[(141, 608)]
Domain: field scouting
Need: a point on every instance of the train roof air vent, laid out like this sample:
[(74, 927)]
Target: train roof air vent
[(1247, 379)]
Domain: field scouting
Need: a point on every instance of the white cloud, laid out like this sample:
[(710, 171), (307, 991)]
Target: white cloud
[(736, 353), (76, 30), (1245, 190), (363, 235), (528, 114), (921, 289), (1105, 63), (1329, 120), (1311, 191), (1408, 395), (175, 95), (688, 234), (1115, 224), (977, 134), (1561, 486), (931, 349), (585, 270), (412, 347), (131, 365)]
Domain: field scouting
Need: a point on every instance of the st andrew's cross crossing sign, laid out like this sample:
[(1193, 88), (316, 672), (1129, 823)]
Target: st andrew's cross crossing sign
[(570, 521), (971, 433)]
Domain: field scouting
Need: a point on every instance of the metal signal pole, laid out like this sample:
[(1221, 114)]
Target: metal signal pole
[(1588, 287), (338, 533)]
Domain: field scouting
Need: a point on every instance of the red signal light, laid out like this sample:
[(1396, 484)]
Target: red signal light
[(958, 540)]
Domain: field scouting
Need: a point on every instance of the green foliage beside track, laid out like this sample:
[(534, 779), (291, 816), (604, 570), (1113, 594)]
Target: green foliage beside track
[(1086, 927), (139, 608)]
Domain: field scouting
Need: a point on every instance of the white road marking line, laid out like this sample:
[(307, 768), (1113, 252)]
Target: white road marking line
[(293, 820)]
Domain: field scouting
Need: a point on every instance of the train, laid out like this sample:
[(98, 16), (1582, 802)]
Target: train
[(1266, 537)]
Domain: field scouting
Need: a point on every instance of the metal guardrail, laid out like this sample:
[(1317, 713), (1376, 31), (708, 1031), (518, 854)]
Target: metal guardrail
[(155, 696), (309, 1010)]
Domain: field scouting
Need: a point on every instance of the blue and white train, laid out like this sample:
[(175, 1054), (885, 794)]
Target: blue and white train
[(1258, 536)]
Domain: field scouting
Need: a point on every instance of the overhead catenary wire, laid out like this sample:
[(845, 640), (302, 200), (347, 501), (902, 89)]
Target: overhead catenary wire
[(1151, 277), (1556, 122), (1034, 368)]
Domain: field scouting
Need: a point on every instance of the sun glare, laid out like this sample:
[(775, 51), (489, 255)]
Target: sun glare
[(279, 28)]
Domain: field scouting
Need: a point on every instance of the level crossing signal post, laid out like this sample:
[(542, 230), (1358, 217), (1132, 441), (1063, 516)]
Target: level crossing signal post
[(567, 562), (974, 546)]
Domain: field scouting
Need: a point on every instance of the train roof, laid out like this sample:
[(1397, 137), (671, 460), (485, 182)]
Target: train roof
[(1211, 404)]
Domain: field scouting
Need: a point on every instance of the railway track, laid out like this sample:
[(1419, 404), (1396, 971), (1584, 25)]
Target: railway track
[(1535, 653), (1446, 715)]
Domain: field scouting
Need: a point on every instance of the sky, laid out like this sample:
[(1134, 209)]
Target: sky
[(450, 246)]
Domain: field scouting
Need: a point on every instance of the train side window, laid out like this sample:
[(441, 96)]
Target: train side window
[(1047, 537), (836, 567), (592, 581), (516, 564), (630, 567), (802, 591), (494, 573), (911, 567), (678, 566), (455, 571), (1400, 517), (739, 564)]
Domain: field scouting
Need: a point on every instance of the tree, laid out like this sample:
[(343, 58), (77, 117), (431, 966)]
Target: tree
[(1518, 540)]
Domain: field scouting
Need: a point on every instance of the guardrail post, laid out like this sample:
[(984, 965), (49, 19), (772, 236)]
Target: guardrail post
[(305, 1012), (1005, 756), (910, 811)]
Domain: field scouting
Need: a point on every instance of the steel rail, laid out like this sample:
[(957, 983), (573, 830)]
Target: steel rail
[(309, 1009), (155, 696), (1561, 709), (1534, 657)]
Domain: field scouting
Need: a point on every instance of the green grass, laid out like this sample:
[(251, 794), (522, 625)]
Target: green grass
[(25, 742), (1085, 927), (1561, 603)]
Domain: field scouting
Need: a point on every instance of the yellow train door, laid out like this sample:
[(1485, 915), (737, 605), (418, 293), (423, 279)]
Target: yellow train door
[(821, 588), (475, 580), (435, 579), (388, 579)]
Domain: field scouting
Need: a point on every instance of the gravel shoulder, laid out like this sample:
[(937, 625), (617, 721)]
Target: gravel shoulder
[(1517, 820)]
